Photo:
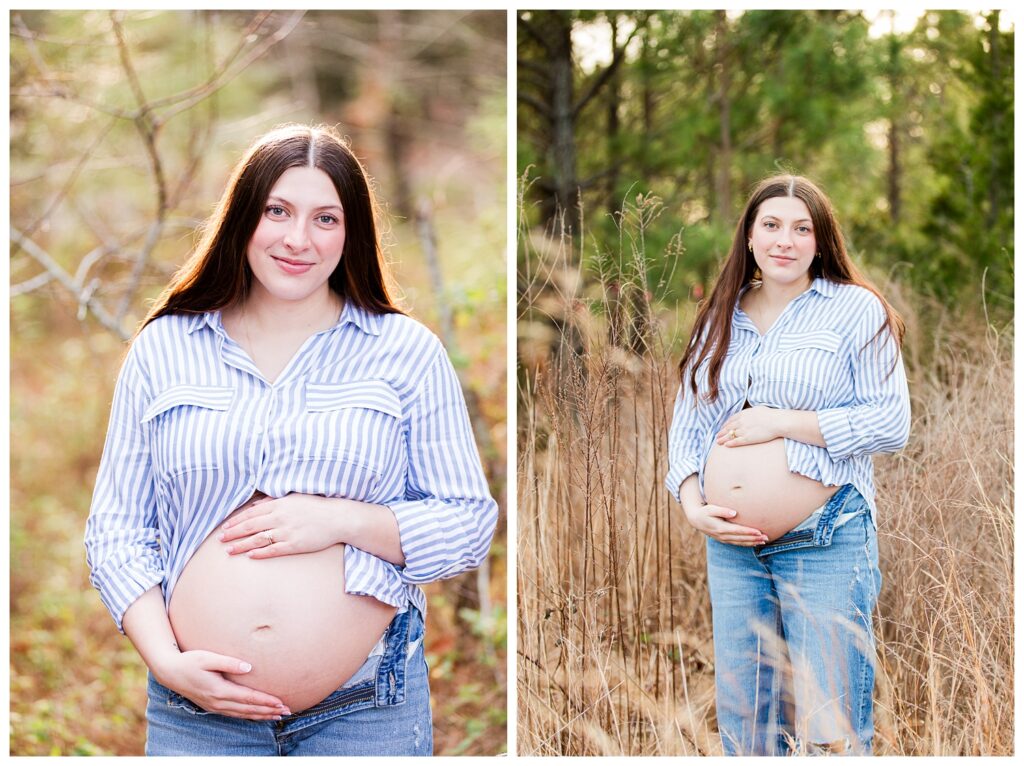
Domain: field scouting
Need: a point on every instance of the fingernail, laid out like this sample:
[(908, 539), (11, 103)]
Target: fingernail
[(277, 718), (245, 667), (222, 535), (286, 711), (733, 513)]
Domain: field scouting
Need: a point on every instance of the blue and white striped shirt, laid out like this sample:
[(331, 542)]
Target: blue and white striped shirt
[(369, 409), (810, 359)]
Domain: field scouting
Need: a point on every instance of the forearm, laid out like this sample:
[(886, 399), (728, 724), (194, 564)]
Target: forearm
[(369, 527), (689, 494), (799, 425), (146, 625)]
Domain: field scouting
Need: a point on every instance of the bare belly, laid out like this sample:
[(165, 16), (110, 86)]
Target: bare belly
[(289, 617), (755, 481)]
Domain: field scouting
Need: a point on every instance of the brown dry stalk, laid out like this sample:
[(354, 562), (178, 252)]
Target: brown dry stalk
[(615, 624)]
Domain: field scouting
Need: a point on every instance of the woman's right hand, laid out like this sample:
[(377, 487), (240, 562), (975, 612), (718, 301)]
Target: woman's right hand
[(198, 675), (713, 521)]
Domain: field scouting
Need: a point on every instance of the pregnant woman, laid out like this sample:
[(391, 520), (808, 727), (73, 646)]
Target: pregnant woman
[(791, 380), (288, 456)]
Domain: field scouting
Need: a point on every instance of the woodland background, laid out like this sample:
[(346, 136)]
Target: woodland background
[(124, 127), (641, 133)]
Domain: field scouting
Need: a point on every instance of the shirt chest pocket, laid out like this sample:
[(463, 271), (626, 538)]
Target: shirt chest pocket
[(353, 430), (189, 428), (807, 370)]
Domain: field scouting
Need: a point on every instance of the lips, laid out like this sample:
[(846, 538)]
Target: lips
[(781, 258), (292, 267)]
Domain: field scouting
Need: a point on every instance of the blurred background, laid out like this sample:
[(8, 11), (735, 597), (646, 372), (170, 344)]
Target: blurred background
[(124, 127), (640, 136)]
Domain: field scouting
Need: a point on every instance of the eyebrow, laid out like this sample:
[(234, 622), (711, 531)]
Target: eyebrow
[(275, 198), (777, 218)]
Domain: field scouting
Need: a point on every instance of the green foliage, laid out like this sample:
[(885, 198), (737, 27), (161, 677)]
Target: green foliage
[(910, 133)]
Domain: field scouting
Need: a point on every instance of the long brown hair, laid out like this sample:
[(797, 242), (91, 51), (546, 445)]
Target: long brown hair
[(217, 273), (712, 327)]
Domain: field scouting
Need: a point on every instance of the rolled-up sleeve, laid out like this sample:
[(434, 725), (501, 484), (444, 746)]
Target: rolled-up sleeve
[(685, 437), (121, 540), (447, 518), (878, 418)]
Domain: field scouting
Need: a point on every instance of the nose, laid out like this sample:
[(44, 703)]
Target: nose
[(784, 241), (296, 238)]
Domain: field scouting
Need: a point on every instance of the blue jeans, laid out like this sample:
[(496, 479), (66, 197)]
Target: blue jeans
[(794, 647), (384, 709)]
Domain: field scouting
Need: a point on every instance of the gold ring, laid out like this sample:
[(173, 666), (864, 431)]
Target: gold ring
[(270, 538), (732, 434)]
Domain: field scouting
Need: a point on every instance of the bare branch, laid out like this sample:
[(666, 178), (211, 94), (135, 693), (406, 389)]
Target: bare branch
[(225, 77), (538, 106), (83, 295), (75, 172), (533, 33), (40, 279), (618, 55), (126, 62), (243, 40)]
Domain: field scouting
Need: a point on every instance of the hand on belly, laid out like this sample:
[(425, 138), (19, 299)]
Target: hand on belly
[(755, 481), (289, 617)]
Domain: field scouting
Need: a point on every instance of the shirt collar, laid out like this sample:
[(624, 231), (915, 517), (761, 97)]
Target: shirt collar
[(824, 287), (209, 318), (366, 321)]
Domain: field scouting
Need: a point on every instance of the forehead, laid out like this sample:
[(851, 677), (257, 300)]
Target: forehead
[(785, 208), (310, 186)]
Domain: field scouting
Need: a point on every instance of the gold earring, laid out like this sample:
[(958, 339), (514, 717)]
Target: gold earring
[(750, 245), (757, 273)]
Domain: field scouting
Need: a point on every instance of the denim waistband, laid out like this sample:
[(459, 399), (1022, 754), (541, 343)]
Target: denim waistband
[(846, 504), (847, 513)]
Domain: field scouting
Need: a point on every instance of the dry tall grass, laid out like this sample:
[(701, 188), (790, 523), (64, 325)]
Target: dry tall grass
[(615, 647)]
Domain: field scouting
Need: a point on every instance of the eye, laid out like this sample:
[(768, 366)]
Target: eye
[(769, 224), (327, 219), (275, 210)]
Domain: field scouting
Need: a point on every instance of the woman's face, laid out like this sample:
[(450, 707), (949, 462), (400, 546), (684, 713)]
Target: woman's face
[(299, 239), (782, 238)]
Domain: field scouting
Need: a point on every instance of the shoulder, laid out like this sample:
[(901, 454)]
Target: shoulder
[(405, 334), (853, 301), (163, 334)]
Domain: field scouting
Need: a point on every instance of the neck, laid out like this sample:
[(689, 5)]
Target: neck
[(779, 295), (268, 314)]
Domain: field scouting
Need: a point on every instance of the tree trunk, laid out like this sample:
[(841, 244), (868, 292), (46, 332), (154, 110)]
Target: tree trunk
[(648, 105), (895, 181), (723, 185), (995, 73), (612, 125), (563, 146), (396, 134)]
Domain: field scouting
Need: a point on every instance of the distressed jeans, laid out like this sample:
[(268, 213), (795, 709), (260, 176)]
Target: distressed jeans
[(794, 647), (383, 710)]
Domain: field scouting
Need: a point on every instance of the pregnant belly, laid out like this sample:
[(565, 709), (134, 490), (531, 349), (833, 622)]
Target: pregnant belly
[(289, 617), (755, 481)]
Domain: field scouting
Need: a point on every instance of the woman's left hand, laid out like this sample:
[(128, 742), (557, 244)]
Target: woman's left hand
[(269, 527), (751, 426)]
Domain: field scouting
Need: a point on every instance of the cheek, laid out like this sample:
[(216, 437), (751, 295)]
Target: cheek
[(263, 235), (330, 243)]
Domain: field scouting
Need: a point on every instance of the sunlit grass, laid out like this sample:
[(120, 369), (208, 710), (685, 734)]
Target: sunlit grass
[(615, 640)]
